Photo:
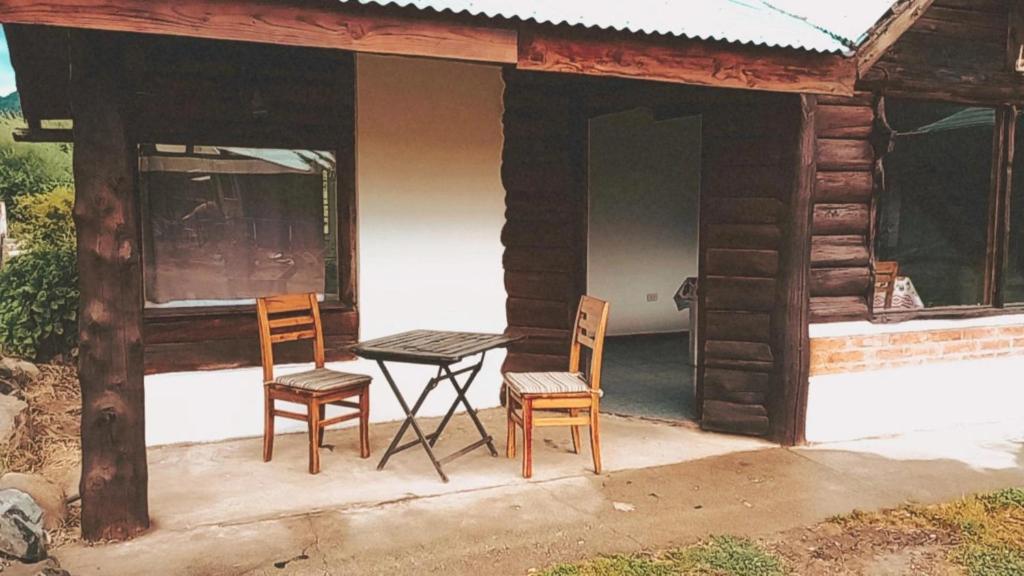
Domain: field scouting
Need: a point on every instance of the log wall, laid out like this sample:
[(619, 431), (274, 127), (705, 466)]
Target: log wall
[(840, 278), (544, 174), (222, 93), (958, 50), (751, 142), (748, 168), (218, 339)]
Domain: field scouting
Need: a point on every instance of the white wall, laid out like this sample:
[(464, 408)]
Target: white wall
[(431, 208), (644, 187), (908, 398)]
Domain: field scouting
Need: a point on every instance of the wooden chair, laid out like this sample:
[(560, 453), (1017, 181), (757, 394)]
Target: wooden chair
[(292, 317), (886, 272), (570, 391)]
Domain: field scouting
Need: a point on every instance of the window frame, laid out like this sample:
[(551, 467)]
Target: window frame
[(997, 229), (331, 300), (279, 97), (223, 336)]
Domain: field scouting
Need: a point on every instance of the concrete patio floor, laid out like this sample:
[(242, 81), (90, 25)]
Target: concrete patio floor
[(228, 482), (219, 511)]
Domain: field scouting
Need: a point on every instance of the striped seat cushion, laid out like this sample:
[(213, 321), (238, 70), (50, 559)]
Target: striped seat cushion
[(321, 379), (547, 383)]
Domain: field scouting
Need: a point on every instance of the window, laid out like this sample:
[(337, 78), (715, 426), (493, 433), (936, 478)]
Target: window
[(1013, 278), (934, 209), (224, 225)]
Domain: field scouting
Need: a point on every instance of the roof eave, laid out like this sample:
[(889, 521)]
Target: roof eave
[(885, 33)]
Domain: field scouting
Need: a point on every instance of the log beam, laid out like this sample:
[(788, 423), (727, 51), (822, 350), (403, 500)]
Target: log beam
[(286, 22), (901, 17), (114, 474), (685, 61)]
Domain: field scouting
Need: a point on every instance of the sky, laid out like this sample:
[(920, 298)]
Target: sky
[(6, 72)]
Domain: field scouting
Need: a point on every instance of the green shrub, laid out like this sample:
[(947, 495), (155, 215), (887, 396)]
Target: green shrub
[(39, 303), (46, 220), (39, 287), (1006, 498), (990, 561), (29, 168)]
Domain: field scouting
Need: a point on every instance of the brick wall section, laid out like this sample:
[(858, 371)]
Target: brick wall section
[(877, 351)]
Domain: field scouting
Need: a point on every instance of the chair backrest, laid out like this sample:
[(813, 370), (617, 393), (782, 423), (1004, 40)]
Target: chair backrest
[(885, 280), (287, 318), (588, 331)]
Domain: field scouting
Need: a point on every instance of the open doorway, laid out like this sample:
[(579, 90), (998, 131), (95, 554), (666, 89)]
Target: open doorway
[(644, 183)]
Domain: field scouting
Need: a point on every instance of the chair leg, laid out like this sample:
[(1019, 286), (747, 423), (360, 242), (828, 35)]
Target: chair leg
[(510, 427), (575, 430), (268, 425), (527, 438), (364, 423), (595, 435), (314, 428), (322, 413)]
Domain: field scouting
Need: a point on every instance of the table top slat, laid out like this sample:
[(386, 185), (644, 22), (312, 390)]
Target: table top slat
[(430, 346)]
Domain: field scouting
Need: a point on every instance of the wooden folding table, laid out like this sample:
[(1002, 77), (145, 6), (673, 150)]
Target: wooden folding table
[(441, 349)]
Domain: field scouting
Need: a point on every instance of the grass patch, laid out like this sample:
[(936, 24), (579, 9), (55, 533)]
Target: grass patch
[(728, 556), (982, 561), (987, 530), (1007, 498), (992, 531), (979, 535), (718, 556), (619, 564)]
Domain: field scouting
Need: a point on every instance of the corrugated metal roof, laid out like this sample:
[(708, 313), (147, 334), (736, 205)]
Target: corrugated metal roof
[(816, 25)]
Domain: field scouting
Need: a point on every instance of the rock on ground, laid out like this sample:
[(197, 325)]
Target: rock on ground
[(8, 385), (13, 416), (46, 495), (21, 527), (21, 371)]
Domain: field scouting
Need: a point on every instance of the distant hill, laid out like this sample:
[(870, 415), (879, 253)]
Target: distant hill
[(10, 104)]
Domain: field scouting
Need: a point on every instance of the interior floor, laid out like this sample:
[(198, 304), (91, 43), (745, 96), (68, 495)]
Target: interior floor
[(648, 376)]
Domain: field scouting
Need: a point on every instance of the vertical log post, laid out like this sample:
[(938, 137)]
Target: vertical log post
[(114, 475), (791, 409)]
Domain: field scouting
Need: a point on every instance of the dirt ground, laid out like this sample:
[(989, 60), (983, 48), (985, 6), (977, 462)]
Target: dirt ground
[(976, 535), (979, 535), (833, 548), (51, 445)]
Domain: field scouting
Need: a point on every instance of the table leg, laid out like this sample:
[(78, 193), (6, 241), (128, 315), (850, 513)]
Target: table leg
[(461, 396), (450, 376), (410, 420)]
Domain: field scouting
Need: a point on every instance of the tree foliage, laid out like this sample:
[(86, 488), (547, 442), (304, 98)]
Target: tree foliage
[(39, 287), (46, 220), (29, 168)]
